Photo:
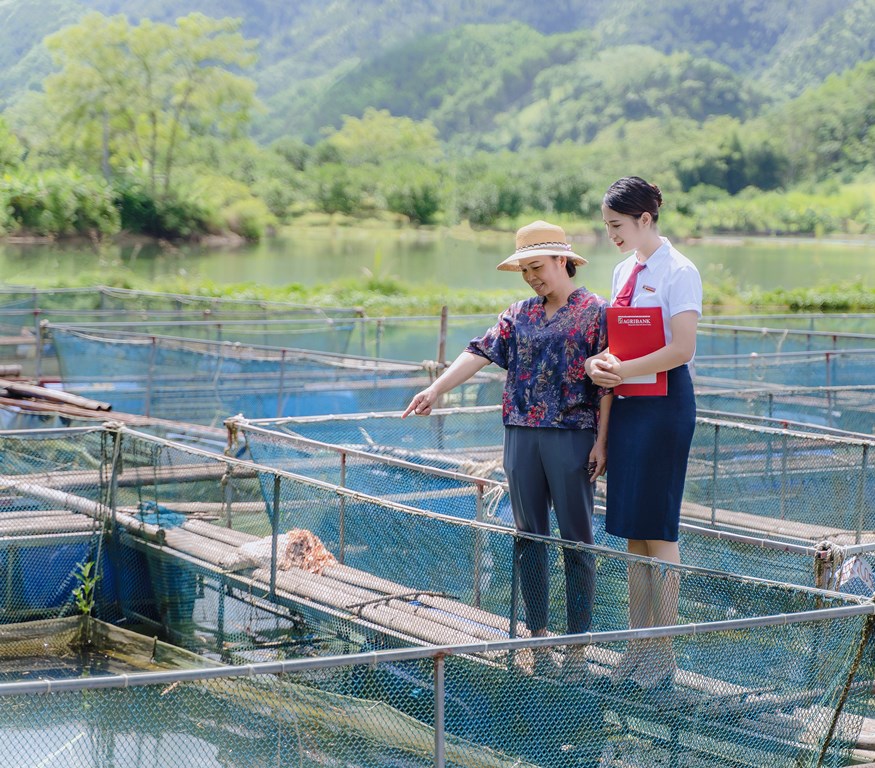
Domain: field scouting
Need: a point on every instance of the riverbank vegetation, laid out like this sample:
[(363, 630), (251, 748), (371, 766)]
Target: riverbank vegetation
[(383, 295), (149, 128)]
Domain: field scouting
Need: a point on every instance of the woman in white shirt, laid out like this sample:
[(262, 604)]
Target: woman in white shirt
[(649, 437)]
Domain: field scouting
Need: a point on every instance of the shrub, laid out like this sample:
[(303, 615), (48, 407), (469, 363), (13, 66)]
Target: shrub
[(249, 218), (414, 192), (168, 216), (59, 203)]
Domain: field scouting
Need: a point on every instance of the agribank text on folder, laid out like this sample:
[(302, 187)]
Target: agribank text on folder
[(635, 332)]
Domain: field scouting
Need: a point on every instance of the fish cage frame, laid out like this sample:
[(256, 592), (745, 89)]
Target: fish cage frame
[(638, 715), (828, 548)]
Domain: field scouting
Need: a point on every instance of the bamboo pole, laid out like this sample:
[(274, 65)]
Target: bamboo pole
[(137, 476), (388, 614), (71, 523), (85, 506), (53, 395)]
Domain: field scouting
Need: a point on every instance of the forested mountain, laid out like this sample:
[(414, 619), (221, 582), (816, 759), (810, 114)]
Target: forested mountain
[(497, 73), (509, 86), (187, 117)]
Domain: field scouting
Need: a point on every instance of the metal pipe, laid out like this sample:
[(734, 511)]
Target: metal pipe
[(714, 475), (439, 712), (861, 495), (514, 591), (442, 338), (374, 658), (279, 394), (784, 477), (274, 526), (151, 375), (342, 516), (478, 546)]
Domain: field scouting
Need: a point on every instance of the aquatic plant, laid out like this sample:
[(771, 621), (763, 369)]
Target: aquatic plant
[(83, 595)]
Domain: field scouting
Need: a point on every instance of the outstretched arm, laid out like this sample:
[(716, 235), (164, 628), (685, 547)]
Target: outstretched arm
[(460, 370)]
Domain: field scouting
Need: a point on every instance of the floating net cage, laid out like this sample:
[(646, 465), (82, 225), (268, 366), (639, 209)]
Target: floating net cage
[(107, 298), (850, 408), (24, 309), (826, 368), (839, 322), (759, 500), (163, 375), (375, 633), (411, 338), (206, 381), (73, 646), (26, 347), (723, 339), (18, 415)]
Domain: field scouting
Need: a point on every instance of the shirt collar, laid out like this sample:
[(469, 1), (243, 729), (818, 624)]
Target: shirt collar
[(572, 297), (660, 254)]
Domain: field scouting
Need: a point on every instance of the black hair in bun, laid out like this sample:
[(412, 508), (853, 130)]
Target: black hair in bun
[(633, 196)]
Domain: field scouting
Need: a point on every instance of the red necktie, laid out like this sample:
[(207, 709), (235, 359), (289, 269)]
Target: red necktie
[(624, 297)]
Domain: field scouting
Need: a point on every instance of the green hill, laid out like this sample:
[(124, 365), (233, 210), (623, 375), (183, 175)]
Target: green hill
[(498, 73)]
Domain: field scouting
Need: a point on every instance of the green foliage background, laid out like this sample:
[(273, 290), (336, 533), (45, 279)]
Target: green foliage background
[(752, 117)]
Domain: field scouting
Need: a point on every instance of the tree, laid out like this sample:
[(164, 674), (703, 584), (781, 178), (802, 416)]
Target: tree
[(378, 136), (11, 150), (413, 191), (133, 96)]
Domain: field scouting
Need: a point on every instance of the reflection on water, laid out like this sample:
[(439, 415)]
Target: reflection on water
[(456, 259)]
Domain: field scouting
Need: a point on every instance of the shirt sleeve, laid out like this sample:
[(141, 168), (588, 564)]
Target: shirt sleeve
[(686, 291), (602, 343), (494, 344)]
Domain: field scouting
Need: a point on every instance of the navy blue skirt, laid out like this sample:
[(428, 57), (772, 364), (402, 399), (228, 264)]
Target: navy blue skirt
[(648, 446)]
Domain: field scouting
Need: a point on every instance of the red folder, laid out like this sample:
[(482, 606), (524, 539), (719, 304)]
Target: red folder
[(635, 332)]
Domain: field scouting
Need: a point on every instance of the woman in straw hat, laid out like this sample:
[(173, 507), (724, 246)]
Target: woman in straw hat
[(650, 436), (555, 417)]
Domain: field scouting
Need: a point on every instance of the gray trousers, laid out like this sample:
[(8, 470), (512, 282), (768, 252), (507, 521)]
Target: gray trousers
[(547, 467)]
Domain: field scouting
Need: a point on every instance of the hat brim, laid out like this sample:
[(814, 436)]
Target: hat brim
[(512, 263)]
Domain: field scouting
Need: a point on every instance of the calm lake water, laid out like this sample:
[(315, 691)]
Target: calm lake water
[(457, 258)]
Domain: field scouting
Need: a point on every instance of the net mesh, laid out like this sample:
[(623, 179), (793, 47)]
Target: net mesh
[(846, 367), (198, 549), (758, 500), (851, 409), (830, 322), (204, 382), (725, 339), (25, 342), (380, 714)]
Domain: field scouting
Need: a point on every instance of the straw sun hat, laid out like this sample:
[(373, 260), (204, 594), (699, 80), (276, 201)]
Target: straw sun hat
[(539, 239)]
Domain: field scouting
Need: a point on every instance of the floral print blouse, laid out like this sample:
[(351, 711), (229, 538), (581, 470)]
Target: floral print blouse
[(546, 385)]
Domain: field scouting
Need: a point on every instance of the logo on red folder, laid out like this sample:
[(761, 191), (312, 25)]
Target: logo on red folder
[(634, 319)]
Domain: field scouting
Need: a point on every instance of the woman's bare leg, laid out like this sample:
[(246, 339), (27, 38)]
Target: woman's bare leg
[(664, 590)]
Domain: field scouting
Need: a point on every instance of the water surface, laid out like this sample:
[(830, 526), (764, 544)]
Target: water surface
[(456, 259)]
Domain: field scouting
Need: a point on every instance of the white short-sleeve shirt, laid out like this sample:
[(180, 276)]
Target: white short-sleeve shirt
[(670, 281)]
